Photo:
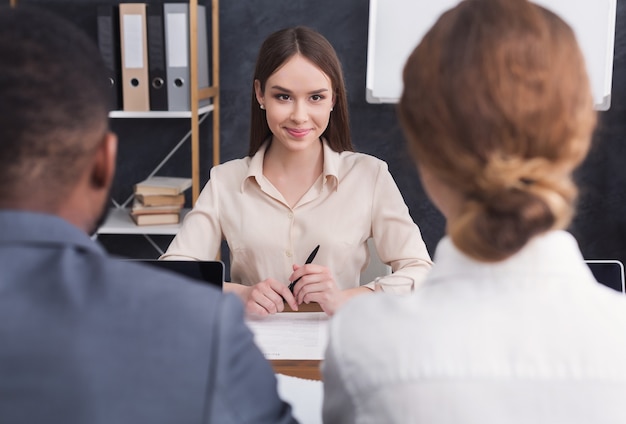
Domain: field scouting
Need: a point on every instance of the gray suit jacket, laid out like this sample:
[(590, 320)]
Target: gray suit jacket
[(85, 338)]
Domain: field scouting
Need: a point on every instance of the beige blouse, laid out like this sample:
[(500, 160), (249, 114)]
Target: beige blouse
[(354, 199)]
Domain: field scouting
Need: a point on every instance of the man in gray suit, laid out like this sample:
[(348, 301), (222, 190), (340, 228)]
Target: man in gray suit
[(85, 338)]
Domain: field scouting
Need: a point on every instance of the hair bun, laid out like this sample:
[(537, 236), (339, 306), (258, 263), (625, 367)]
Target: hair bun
[(499, 227)]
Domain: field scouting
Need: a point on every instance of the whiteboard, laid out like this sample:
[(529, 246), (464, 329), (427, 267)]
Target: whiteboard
[(397, 26)]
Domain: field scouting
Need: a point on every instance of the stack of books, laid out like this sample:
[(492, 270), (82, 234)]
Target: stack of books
[(159, 200)]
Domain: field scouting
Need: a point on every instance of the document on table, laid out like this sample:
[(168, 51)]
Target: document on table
[(291, 335)]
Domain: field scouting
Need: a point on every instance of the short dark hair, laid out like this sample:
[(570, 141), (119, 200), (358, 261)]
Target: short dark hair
[(54, 99), (277, 49)]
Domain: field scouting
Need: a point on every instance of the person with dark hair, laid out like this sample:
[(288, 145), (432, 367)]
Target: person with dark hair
[(85, 338), (510, 325), (301, 186)]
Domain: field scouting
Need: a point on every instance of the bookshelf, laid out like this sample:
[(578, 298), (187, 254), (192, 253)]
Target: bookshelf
[(118, 221), (160, 114)]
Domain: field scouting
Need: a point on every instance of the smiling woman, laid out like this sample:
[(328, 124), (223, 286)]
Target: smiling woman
[(277, 50), (298, 104), (301, 186)]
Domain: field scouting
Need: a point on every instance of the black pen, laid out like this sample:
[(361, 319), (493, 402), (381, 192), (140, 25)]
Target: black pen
[(308, 261)]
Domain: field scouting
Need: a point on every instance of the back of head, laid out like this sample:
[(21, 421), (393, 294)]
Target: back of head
[(275, 51), (497, 105), (54, 103)]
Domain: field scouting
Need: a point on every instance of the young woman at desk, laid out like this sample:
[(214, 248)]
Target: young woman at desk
[(510, 325), (301, 186)]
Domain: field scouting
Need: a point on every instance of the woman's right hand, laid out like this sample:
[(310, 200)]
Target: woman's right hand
[(266, 297)]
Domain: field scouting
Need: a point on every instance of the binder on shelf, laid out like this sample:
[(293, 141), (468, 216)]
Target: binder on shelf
[(202, 53), (133, 46), (177, 51), (108, 34), (156, 57)]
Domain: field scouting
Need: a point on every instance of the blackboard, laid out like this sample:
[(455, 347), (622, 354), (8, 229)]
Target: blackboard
[(397, 26)]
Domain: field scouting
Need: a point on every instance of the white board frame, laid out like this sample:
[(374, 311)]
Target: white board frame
[(397, 26)]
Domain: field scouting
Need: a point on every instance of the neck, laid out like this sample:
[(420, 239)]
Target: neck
[(45, 205), (293, 173)]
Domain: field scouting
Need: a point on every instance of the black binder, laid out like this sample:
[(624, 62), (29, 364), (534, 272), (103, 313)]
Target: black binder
[(109, 45), (156, 57)]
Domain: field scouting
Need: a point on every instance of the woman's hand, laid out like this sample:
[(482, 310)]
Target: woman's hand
[(264, 298), (317, 285)]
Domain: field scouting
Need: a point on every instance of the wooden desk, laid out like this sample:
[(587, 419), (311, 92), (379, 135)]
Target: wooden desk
[(311, 307), (307, 369)]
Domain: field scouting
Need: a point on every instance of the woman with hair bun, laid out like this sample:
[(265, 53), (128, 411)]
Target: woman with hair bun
[(510, 325)]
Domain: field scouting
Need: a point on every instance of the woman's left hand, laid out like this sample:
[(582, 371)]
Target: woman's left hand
[(317, 285)]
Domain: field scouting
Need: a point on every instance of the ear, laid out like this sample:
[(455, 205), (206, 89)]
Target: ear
[(103, 169), (257, 91)]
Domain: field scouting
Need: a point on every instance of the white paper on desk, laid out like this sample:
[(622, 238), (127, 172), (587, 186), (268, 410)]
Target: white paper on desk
[(304, 396), (291, 335)]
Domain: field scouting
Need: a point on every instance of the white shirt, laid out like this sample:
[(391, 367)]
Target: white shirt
[(354, 199), (532, 339)]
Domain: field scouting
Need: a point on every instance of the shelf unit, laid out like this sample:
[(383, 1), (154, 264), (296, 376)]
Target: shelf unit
[(118, 221), (160, 114)]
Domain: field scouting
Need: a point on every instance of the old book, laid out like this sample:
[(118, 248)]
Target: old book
[(156, 219), (160, 199), (139, 209), (162, 185)]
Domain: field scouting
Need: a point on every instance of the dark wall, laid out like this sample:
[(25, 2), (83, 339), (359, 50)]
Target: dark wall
[(601, 220), (600, 225)]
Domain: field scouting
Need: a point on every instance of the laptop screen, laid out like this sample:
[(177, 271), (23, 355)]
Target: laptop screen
[(608, 272), (210, 272)]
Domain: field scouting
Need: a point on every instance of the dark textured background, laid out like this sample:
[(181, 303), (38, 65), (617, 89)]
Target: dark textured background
[(599, 225)]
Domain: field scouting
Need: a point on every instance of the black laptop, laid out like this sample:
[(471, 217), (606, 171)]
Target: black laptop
[(608, 272), (208, 272)]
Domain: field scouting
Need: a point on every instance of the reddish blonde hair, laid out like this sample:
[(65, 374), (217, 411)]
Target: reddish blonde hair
[(497, 104)]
